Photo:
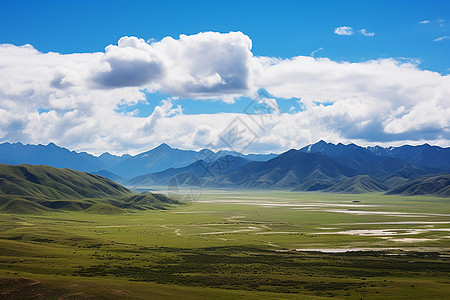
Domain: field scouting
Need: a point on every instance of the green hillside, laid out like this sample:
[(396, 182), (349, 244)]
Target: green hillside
[(40, 189), (149, 201), (357, 185), (54, 183), (17, 205), (436, 185)]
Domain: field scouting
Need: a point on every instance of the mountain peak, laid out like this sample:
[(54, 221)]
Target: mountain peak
[(321, 142), (163, 146)]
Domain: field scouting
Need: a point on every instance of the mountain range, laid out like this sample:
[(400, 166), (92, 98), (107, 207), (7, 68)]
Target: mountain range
[(317, 167), (425, 155), (111, 166)]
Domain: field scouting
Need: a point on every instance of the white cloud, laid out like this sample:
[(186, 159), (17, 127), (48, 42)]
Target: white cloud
[(426, 115), (366, 33), (269, 105), (360, 98), (441, 38), (132, 62), (344, 30), (424, 22), (206, 65), (72, 99)]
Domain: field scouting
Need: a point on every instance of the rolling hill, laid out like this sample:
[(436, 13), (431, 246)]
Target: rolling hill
[(49, 182), (37, 189)]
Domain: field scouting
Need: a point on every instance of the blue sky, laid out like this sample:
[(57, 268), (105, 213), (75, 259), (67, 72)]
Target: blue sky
[(277, 28), (403, 39)]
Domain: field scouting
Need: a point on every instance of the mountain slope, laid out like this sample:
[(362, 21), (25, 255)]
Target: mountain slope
[(425, 155), (288, 170), (109, 175), (38, 189), (198, 169), (318, 167), (165, 157), (436, 185), (376, 164), (49, 182), (158, 159), (357, 185), (348, 169), (433, 157)]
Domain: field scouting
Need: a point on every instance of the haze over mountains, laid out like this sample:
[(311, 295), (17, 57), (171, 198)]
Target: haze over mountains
[(317, 167)]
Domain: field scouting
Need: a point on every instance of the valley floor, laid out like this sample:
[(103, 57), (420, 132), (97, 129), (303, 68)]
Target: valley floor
[(235, 244)]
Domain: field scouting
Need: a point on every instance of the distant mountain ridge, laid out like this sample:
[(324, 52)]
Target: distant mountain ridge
[(196, 170), (114, 167), (50, 155), (289, 169), (318, 167), (425, 155)]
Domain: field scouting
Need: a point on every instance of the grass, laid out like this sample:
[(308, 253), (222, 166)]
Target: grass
[(233, 244), (27, 189)]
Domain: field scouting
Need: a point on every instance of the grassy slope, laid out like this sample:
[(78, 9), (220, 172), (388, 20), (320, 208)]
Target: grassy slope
[(357, 185), (54, 183), (436, 185), (38, 189)]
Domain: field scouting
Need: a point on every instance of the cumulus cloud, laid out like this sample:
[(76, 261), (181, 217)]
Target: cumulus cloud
[(132, 62), (268, 105), (344, 30), (428, 116), (205, 65), (72, 99), (366, 33), (357, 100)]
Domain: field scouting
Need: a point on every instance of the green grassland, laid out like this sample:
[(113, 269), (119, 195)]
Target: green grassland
[(233, 244)]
